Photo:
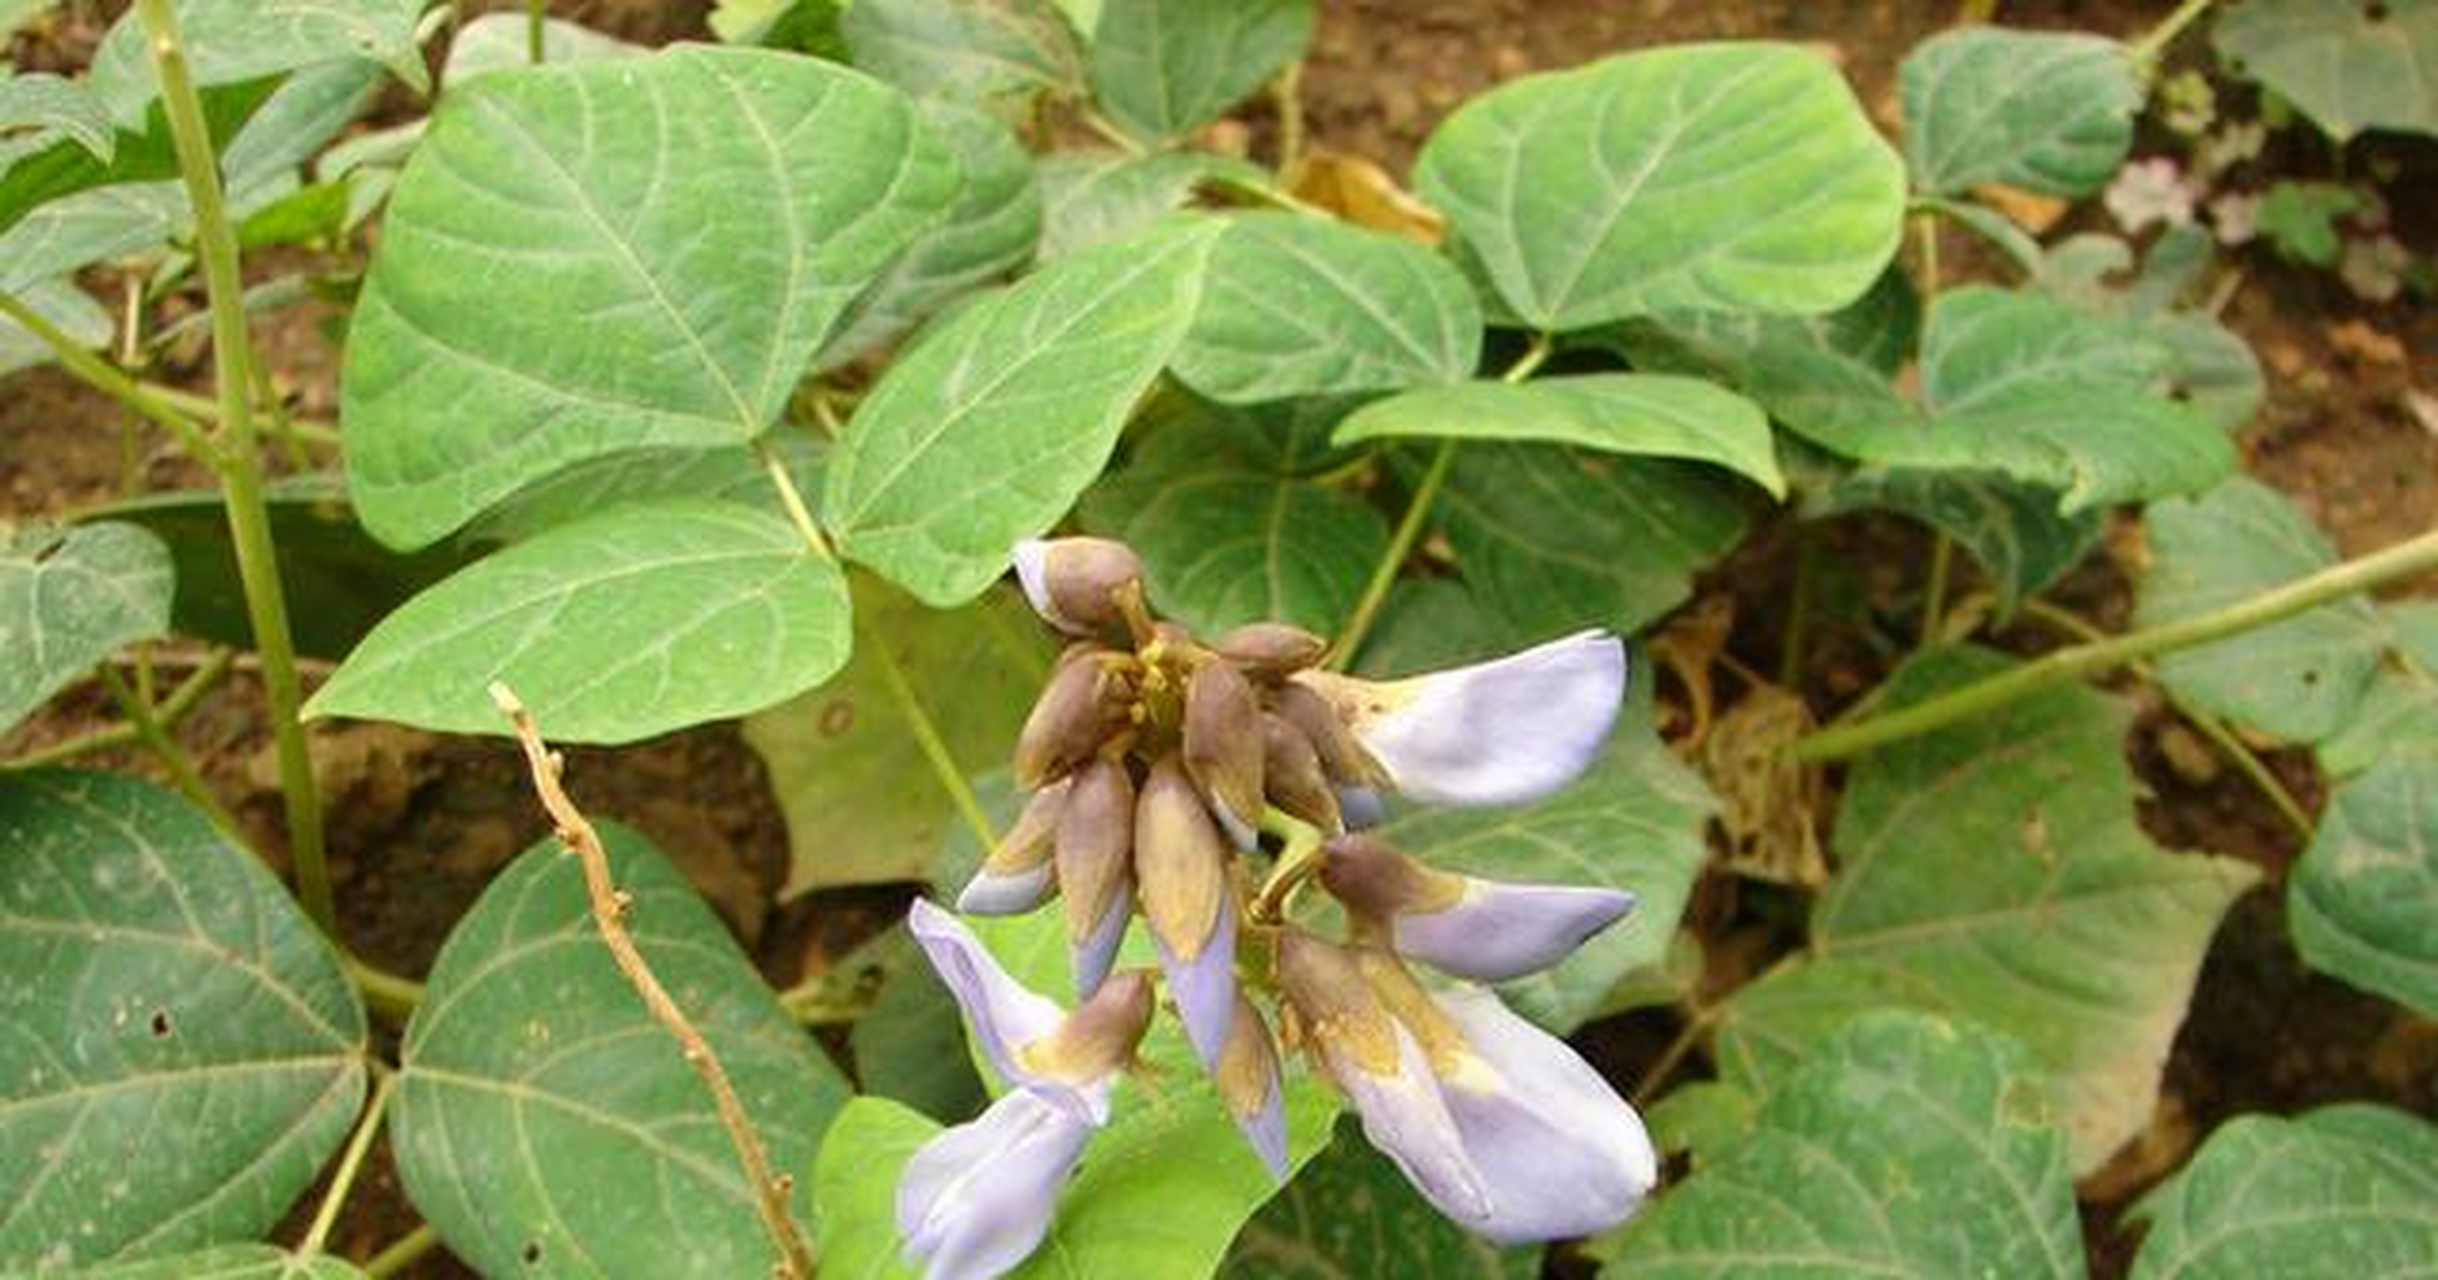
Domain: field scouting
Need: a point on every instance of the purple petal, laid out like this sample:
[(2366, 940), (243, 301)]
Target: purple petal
[(1404, 1116), (1004, 1015), (1497, 932), (977, 1199), (1505, 731), (1559, 1152), (1266, 1130), (1093, 960), (1361, 807), (1205, 988), (992, 894)]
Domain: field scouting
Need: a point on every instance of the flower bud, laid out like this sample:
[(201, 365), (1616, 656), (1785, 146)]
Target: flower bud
[(1270, 651), (1463, 926), (1342, 756), (1292, 776), (1223, 745), (1248, 1079), (1377, 882), (1017, 874), (1336, 1007), (1180, 869), (1078, 584), (1071, 719), (1100, 1036), (1095, 844)]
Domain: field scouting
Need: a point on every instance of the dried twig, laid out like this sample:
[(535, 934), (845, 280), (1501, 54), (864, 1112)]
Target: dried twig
[(609, 907)]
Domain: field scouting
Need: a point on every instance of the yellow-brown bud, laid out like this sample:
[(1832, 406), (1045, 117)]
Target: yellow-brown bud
[(1342, 757), (1291, 775), (1070, 720), (1376, 881), (1180, 862), (1223, 740), (1100, 1036), (1247, 1071), (1080, 585), (1336, 1008), (1270, 651), (1095, 841), (1030, 842)]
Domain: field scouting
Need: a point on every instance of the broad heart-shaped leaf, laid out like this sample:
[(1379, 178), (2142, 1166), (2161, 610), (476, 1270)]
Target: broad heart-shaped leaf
[(979, 51), (2299, 679), (1552, 539), (1164, 68), (861, 802), (182, 1051), (985, 432), (1906, 1146), (604, 256), (1660, 415), (1739, 177), (231, 41), (1299, 306), (2023, 384), (648, 617), (66, 305), (70, 599), (2045, 111), (1231, 530), (992, 229), (2399, 712), (546, 1125), (1092, 197), (2363, 902), (1350, 1213), (234, 1262), (1995, 871), (2015, 532), (2330, 1194), (2350, 66), (1634, 822)]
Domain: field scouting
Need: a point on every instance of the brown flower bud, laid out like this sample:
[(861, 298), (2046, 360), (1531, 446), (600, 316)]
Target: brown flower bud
[(1079, 585), (1248, 1067), (1336, 1008), (1100, 1036), (1070, 720), (1342, 758), (1378, 882), (1095, 839), (1270, 651), (1223, 742), (1030, 842), (1292, 776), (1180, 862)]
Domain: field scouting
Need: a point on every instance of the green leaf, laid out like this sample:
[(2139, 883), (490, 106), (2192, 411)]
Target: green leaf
[(233, 41), (1995, 871), (2363, 902), (1090, 197), (2014, 531), (1702, 1119), (805, 26), (546, 1125), (1634, 823), (1163, 68), (2331, 1194), (39, 109), (1656, 415), (504, 42), (2350, 66), (706, 215), (2299, 679), (66, 305), (1349, 1214), (977, 51), (142, 151), (2021, 383), (1300, 306), (2399, 712), (234, 1262), (1724, 176), (1429, 623), (2300, 219), (909, 1046), (1552, 539), (1230, 529), (183, 1052), (861, 803), (70, 599), (2050, 112), (648, 617), (729, 474), (991, 230), (1906, 1146), (985, 432)]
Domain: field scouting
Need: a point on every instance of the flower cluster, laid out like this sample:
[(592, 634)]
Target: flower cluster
[(1155, 763)]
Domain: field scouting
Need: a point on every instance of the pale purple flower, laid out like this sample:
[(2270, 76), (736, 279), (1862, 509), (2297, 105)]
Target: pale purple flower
[(1464, 926), (1500, 732)]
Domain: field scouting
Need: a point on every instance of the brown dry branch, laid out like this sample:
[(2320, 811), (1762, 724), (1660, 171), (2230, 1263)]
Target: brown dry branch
[(609, 907)]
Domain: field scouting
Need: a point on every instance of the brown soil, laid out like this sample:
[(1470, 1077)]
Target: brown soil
[(419, 823)]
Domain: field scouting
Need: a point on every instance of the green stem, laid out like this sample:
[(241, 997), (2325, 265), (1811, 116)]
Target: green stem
[(1934, 595), (1417, 516), (241, 470), (386, 992), (2147, 50), (928, 740), (105, 377), (350, 1163), (792, 499), (145, 720), (404, 1252), (181, 700), (1288, 92), (537, 30), (1799, 610), (2403, 560), (208, 409), (1687, 1037), (1299, 859)]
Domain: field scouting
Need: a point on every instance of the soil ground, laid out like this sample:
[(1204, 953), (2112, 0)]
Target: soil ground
[(421, 822)]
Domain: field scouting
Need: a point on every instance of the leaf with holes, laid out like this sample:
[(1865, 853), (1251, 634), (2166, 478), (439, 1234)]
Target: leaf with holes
[(182, 1052), (1905, 1146), (1657, 415), (648, 617), (703, 216), (2398, 714), (2350, 65), (1164, 68), (1738, 177), (2327, 1195), (1351, 1213), (2363, 902), (2299, 679), (546, 1125), (1995, 871), (987, 52), (71, 598), (2045, 111), (1301, 306), (993, 423)]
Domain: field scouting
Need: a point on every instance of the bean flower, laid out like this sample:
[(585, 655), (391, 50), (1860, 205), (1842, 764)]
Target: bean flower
[(1165, 776)]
